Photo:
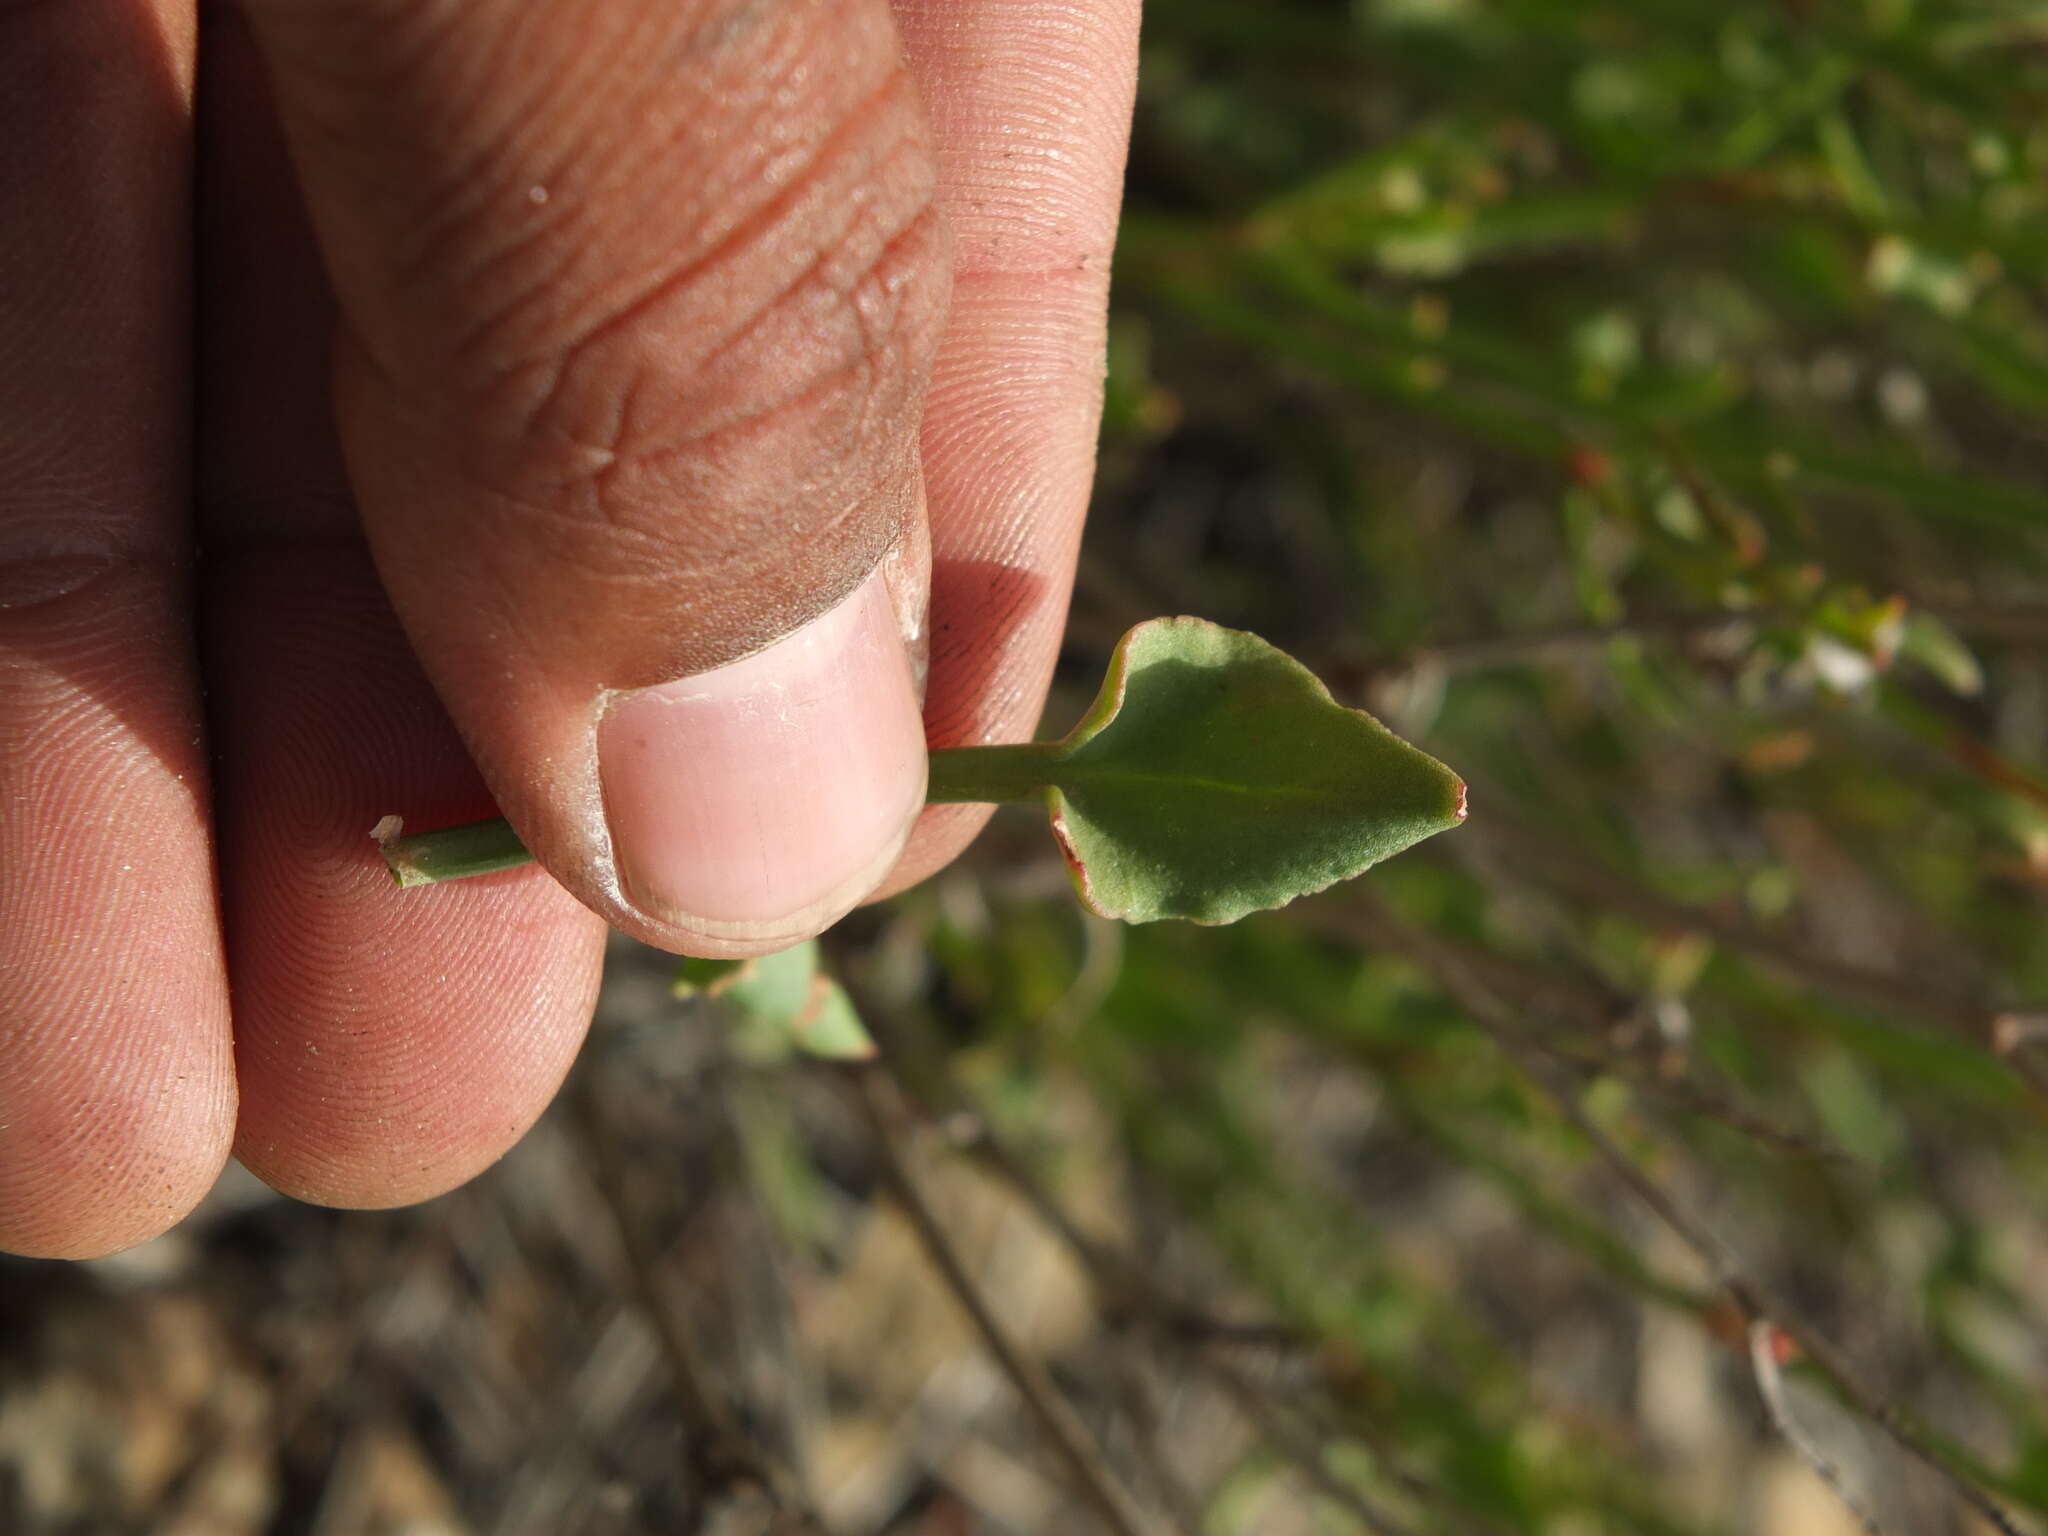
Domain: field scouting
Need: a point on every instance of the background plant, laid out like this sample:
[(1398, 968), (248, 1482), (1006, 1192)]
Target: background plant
[(1641, 407)]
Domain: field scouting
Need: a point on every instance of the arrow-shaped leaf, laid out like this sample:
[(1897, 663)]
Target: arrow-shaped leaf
[(781, 1003), (1215, 776)]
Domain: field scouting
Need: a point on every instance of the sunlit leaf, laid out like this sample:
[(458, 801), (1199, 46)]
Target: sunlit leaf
[(1215, 776), (830, 1028), (696, 977), (1932, 644), (781, 1003)]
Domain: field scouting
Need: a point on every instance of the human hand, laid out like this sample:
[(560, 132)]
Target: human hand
[(657, 427)]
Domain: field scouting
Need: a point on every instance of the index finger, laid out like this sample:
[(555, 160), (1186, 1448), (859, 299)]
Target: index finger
[(116, 1096), (1030, 107)]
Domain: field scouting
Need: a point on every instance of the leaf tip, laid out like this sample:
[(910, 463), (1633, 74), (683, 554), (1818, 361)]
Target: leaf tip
[(1459, 807)]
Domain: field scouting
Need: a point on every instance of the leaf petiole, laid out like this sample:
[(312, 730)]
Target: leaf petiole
[(991, 775), (959, 775), (1213, 776)]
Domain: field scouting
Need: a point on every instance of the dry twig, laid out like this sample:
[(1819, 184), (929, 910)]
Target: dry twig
[(1943, 1008), (1597, 1011), (1763, 1365), (1148, 1436), (1121, 1288), (1300, 1451), (723, 1454), (882, 1102), (1749, 1296), (1126, 1291)]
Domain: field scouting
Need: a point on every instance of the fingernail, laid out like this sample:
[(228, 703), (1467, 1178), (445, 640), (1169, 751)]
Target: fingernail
[(763, 799)]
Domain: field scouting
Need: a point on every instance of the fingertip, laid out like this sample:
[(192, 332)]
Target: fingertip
[(941, 835), (1030, 105), (997, 614), (753, 805), (390, 1044), (449, 1064), (118, 1159), (116, 1099), (394, 1044), (116, 1083)]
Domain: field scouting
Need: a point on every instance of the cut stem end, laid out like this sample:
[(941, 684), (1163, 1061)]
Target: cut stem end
[(449, 853)]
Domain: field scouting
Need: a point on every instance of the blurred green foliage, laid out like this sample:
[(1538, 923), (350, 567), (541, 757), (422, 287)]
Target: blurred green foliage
[(1644, 407)]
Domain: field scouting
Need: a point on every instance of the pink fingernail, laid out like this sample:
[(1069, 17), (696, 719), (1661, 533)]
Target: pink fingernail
[(763, 799)]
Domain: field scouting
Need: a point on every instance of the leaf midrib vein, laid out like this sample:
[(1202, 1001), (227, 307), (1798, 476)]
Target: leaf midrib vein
[(1090, 777)]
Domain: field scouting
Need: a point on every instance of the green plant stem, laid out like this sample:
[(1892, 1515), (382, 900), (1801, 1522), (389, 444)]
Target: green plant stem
[(990, 775), (974, 775), (453, 853)]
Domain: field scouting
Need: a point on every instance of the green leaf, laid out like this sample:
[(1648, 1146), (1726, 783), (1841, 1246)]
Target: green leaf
[(831, 1029), (769, 986), (697, 977), (1936, 647), (774, 988), (1215, 776), (781, 1003)]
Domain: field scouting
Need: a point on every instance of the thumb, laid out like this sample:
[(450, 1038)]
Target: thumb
[(638, 302)]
